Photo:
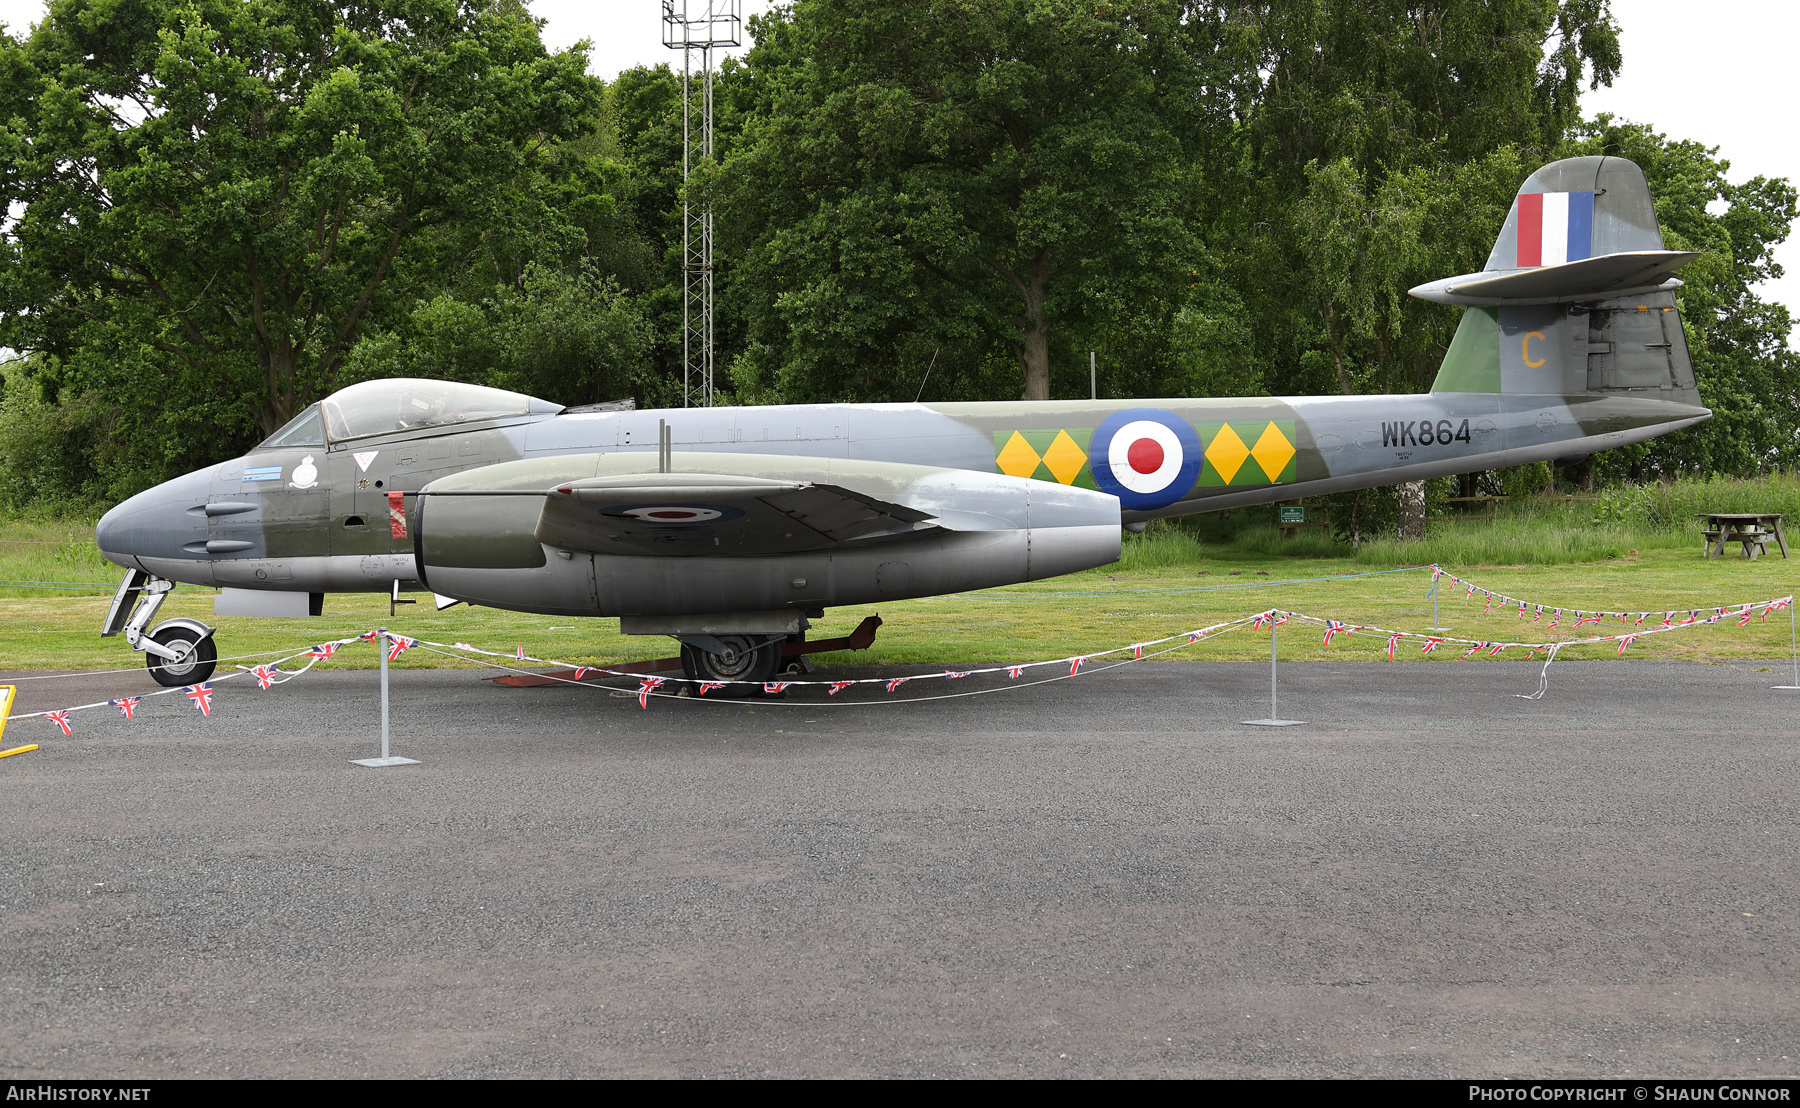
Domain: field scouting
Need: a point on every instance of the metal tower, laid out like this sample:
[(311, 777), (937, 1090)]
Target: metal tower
[(698, 26)]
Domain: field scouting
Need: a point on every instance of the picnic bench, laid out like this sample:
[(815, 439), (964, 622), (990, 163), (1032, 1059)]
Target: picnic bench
[(1752, 529)]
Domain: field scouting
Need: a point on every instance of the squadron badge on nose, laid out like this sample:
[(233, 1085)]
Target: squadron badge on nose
[(306, 475)]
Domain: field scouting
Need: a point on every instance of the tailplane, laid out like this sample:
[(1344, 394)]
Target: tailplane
[(1578, 296)]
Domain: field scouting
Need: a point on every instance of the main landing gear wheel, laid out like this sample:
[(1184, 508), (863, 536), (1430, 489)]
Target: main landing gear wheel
[(744, 665), (197, 659)]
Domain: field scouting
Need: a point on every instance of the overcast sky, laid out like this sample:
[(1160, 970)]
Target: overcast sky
[(1722, 72)]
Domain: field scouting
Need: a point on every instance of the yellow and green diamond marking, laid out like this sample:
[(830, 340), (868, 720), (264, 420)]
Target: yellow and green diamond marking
[(1059, 455)]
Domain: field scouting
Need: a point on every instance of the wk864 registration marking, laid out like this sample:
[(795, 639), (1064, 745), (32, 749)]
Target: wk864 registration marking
[(1423, 432)]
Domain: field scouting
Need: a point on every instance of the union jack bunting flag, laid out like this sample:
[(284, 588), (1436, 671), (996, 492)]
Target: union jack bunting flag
[(1280, 618), (1522, 607), (370, 636), (709, 686), (1015, 672), (1262, 621), (461, 646), (896, 683), (954, 674), (399, 645), (1586, 620), (201, 695), (1430, 645), (1474, 650), (580, 672), (1490, 605), (265, 676), (1625, 641), (1332, 627), (1393, 641), (1555, 618), (644, 687), (1075, 665), (1196, 636), (773, 687), (838, 687), (126, 705), (61, 719), (1498, 647), (1639, 621), (520, 652), (1137, 650), (1745, 618), (323, 650)]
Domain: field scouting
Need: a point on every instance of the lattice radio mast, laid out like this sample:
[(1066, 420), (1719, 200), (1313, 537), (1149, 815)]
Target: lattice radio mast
[(701, 26)]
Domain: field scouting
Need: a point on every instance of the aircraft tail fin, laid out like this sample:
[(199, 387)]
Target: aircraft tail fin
[(1577, 296)]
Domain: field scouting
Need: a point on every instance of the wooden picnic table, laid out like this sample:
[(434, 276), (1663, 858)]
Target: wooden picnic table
[(1753, 529)]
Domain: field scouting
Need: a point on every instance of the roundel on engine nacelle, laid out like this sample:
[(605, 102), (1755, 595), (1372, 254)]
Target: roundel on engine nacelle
[(1147, 457)]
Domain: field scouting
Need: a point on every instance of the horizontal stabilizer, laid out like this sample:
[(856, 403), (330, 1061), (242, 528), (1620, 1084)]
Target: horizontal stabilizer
[(1622, 274)]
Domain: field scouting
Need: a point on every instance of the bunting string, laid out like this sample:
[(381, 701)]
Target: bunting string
[(1634, 629)]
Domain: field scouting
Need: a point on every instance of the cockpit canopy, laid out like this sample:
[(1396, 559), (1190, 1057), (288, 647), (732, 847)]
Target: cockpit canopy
[(402, 404)]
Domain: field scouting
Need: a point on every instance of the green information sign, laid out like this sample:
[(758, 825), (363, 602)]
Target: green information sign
[(1293, 515)]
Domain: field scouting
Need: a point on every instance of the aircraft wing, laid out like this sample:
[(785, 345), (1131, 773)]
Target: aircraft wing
[(710, 513)]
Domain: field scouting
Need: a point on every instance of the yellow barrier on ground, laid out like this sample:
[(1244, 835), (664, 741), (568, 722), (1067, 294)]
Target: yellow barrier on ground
[(18, 750), (7, 692)]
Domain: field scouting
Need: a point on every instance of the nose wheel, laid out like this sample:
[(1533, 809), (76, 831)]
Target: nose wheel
[(195, 657)]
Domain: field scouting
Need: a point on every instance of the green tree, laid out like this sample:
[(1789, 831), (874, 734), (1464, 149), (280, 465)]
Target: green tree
[(929, 171), (570, 338), (219, 196), (1381, 144)]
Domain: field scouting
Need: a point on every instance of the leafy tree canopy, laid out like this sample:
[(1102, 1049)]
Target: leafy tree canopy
[(981, 172), (219, 196)]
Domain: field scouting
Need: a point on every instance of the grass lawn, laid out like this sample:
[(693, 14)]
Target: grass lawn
[(1082, 613)]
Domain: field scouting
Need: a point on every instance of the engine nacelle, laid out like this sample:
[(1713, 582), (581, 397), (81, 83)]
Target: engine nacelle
[(478, 536)]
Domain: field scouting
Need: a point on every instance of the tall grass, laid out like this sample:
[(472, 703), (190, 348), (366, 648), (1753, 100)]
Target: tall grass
[(48, 552), (1678, 505), (1519, 541)]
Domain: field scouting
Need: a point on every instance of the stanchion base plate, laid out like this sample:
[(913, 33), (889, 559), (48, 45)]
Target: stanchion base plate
[(1272, 722), (1437, 628), (378, 763), (1785, 687)]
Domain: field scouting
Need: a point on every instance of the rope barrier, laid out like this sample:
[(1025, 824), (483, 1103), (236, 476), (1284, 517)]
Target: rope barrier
[(271, 674)]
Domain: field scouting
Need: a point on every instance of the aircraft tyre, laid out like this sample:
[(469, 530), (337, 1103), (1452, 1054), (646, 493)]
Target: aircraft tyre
[(743, 669), (199, 658)]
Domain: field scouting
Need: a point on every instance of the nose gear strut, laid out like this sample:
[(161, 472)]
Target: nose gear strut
[(179, 651)]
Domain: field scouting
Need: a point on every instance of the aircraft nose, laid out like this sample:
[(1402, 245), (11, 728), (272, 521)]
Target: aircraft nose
[(156, 523)]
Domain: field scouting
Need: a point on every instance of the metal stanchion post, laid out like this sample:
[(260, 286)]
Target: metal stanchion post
[(1794, 641), (1436, 621), (385, 759), (1274, 719)]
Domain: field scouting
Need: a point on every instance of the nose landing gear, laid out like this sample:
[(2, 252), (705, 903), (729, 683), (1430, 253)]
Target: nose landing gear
[(179, 651)]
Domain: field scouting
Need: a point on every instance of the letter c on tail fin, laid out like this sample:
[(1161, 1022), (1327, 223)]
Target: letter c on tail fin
[(1525, 348)]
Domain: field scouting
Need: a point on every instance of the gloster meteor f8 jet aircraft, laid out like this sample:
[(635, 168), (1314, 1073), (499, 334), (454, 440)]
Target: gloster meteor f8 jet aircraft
[(730, 528)]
